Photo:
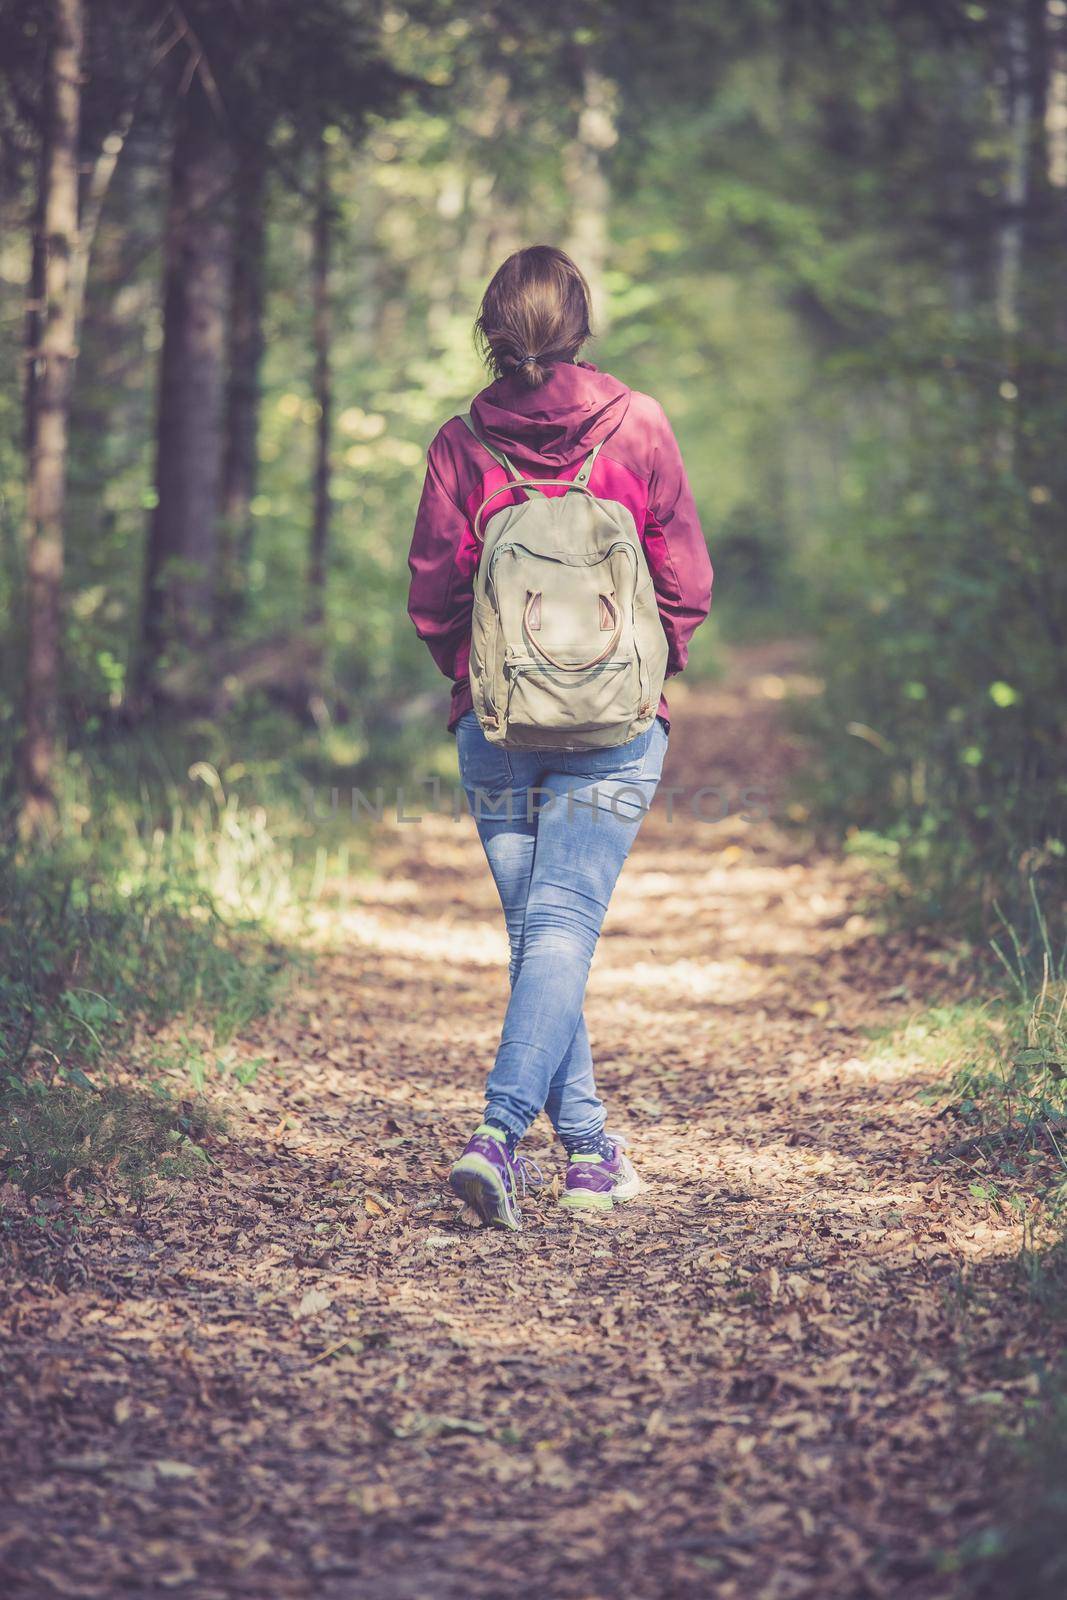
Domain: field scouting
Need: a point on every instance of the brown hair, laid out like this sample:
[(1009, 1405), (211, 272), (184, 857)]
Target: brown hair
[(535, 312)]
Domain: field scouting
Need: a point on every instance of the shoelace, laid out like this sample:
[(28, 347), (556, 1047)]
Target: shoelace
[(529, 1172)]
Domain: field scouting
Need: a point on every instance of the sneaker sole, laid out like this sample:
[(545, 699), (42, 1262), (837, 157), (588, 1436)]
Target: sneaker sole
[(479, 1186), (586, 1200)]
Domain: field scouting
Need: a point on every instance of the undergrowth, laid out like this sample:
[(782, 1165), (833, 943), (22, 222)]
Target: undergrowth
[(1014, 1097), (137, 915), (1003, 1083), (68, 1135)]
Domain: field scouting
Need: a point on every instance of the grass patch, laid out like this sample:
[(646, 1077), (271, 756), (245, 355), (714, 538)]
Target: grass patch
[(67, 1135), (1022, 1553), (1002, 1062), (85, 950), (996, 1071), (122, 928), (1015, 1098), (1002, 1065), (952, 1037)]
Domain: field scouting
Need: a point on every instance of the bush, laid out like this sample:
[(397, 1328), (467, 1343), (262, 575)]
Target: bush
[(941, 615)]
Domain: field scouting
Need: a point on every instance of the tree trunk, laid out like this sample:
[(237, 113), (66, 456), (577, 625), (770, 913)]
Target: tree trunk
[(489, 229), (51, 367), (181, 569), (322, 385), (35, 305), (1042, 355), (588, 188), (1018, 122), (1056, 148), (241, 458), (1018, 119), (950, 163), (103, 170), (1042, 288)]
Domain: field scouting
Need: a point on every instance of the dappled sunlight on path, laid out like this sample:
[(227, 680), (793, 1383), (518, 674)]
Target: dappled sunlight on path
[(311, 1376)]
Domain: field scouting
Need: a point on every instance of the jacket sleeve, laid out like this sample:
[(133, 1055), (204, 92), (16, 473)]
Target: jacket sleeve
[(677, 553), (440, 596)]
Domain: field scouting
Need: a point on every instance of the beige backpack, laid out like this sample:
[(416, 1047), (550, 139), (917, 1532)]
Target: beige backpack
[(567, 647)]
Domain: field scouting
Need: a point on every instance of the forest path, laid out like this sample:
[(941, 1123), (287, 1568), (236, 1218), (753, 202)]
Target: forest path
[(308, 1375)]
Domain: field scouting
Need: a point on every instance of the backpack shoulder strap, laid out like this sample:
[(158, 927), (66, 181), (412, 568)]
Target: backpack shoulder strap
[(498, 456), (588, 464)]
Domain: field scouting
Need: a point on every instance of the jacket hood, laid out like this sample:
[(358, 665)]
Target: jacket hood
[(553, 426)]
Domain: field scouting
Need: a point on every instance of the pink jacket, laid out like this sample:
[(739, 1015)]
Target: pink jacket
[(548, 432)]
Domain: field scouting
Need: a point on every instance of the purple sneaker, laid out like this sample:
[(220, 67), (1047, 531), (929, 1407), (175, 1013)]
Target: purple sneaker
[(486, 1177), (595, 1183)]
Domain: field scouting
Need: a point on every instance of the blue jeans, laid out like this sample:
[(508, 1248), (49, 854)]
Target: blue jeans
[(557, 826)]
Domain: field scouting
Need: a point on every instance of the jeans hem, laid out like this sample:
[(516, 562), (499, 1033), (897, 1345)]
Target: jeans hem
[(575, 1141)]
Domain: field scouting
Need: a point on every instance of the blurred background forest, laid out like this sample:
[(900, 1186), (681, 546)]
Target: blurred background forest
[(243, 244)]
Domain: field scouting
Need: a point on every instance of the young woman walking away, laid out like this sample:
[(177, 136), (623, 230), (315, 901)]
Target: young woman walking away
[(556, 611)]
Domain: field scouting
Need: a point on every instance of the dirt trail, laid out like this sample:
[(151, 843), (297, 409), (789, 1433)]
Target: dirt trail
[(308, 1376)]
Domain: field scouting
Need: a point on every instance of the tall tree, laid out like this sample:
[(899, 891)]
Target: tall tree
[(588, 186), (1019, 112), (245, 356), (322, 387), (49, 407), (181, 572), (1042, 363), (308, 62)]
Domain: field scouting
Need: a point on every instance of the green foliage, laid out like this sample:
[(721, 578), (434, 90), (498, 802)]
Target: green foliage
[(1023, 1555), (101, 931), (85, 949), (125, 925), (941, 582), (998, 1066), (955, 1037), (1002, 1072), (1010, 1087), (1014, 1098), (1014, 1095), (72, 1134)]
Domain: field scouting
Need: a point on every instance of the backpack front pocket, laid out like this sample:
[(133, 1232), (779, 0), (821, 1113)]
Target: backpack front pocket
[(547, 704)]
